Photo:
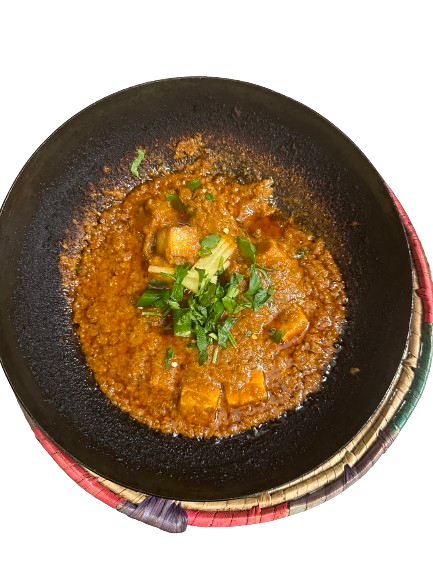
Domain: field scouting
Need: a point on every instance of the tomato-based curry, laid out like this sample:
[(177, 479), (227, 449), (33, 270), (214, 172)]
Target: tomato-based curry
[(213, 351)]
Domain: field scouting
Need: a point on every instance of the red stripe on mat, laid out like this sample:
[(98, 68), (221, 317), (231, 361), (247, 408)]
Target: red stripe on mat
[(54, 501), (77, 473), (420, 260), (234, 518)]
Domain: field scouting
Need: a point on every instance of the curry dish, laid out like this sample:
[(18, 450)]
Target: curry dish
[(203, 310)]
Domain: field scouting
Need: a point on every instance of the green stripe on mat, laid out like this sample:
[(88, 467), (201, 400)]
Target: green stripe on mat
[(419, 382)]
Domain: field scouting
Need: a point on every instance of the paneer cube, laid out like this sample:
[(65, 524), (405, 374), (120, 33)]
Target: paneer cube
[(269, 250), (177, 242), (199, 396), (251, 393), (161, 240), (292, 323)]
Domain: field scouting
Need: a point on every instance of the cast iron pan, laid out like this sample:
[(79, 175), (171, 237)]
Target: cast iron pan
[(342, 198)]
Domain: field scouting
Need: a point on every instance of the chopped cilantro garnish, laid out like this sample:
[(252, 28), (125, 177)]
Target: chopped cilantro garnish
[(247, 248), (175, 202), (193, 184), (215, 354), (168, 356), (275, 334), (137, 161), (208, 312), (208, 243), (152, 313), (210, 197), (301, 252), (202, 343)]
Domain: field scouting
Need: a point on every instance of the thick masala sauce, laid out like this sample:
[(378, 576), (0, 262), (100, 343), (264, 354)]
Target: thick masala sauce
[(228, 349)]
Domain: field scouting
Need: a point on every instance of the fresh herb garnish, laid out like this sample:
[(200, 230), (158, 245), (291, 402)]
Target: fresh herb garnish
[(137, 161), (152, 314), (193, 184), (257, 294), (175, 202), (247, 248), (208, 310), (202, 342), (153, 297), (275, 334), (208, 243), (155, 283), (182, 324), (210, 197), (301, 252), (168, 356), (215, 354)]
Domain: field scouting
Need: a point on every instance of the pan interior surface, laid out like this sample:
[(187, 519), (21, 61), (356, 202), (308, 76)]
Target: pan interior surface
[(320, 176)]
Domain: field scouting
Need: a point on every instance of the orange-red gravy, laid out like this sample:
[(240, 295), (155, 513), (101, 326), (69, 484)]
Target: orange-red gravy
[(249, 384)]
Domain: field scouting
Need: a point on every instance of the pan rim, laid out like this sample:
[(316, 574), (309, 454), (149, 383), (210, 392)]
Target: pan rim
[(3, 215)]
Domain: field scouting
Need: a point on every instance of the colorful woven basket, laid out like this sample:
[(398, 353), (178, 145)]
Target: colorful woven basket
[(320, 485)]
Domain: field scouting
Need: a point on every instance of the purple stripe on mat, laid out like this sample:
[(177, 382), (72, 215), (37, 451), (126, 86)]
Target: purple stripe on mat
[(161, 513)]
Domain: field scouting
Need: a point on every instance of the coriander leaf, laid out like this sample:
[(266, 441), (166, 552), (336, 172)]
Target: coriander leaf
[(210, 197), (215, 355), (137, 161), (218, 309), (168, 355), (182, 322), (224, 331), (193, 184), (230, 304), (231, 339), (178, 289), (232, 286), (210, 241), (181, 271), (175, 202), (275, 334), (166, 274), (247, 248), (261, 297), (201, 344), (204, 252), (208, 295), (153, 297), (177, 292), (157, 283), (151, 313), (264, 271), (301, 252), (160, 304), (255, 283), (201, 276)]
